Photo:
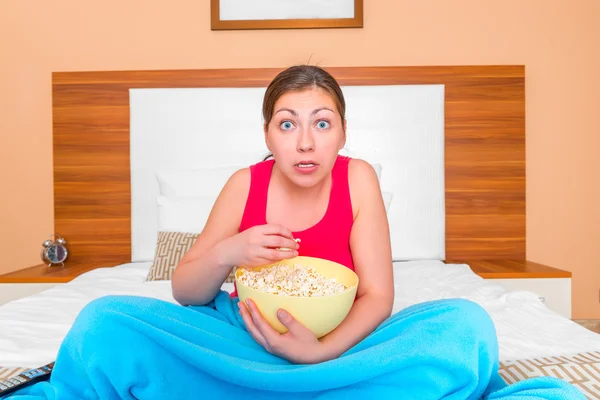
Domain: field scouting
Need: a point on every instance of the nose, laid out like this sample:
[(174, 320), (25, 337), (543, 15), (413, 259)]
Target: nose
[(306, 141)]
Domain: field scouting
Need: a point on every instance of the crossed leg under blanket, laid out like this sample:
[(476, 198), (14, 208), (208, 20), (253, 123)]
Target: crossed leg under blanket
[(123, 347)]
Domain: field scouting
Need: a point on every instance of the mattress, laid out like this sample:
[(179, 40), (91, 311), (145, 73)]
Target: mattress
[(32, 328)]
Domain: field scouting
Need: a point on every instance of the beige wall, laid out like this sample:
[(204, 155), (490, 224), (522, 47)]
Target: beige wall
[(557, 40)]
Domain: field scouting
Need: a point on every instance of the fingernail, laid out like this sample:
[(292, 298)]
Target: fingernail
[(281, 314)]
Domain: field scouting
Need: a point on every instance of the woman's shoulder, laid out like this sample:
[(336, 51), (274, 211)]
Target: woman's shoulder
[(240, 175), (363, 184), (359, 169), (356, 165), (240, 180), (238, 184)]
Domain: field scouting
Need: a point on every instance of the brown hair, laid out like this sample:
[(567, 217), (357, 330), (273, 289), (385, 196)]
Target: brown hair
[(301, 77)]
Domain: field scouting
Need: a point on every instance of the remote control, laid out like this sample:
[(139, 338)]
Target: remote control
[(25, 378)]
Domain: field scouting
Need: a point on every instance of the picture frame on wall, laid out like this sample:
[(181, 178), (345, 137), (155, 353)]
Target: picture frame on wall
[(285, 14)]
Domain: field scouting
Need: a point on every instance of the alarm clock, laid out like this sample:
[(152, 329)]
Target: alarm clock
[(54, 250)]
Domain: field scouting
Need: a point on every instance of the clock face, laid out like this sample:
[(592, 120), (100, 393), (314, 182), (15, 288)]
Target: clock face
[(57, 253)]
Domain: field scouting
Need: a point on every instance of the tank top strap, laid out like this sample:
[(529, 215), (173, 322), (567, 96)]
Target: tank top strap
[(340, 205), (340, 191), (256, 203)]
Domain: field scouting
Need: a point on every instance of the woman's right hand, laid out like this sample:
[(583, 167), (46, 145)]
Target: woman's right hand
[(259, 245)]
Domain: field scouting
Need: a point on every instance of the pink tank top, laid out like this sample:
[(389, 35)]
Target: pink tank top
[(330, 237)]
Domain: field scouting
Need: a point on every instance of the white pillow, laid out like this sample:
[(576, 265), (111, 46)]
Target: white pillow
[(189, 214), (184, 214), (203, 181), (195, 182), (387, 199), (186, 197), (377, 168)]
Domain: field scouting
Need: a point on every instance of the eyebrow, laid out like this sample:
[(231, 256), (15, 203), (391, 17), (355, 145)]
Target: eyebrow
[(295, 114)]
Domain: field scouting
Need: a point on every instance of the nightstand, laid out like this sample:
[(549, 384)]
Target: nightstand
[(32, 280), (551, 285)]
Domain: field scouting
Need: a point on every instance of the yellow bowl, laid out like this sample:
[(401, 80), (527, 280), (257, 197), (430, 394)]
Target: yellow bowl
[(320, 314)]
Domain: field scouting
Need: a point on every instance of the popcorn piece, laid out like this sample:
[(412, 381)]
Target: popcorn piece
[(287, 280), (297, 240)]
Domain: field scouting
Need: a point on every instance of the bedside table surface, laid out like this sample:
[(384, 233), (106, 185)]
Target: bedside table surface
[(42, 273), (488, 269), (512, 269)]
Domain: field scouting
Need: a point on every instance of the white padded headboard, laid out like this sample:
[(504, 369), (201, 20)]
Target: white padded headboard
[(400, 127)]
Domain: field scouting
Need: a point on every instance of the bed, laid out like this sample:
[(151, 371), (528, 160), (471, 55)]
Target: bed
[(450, 142)]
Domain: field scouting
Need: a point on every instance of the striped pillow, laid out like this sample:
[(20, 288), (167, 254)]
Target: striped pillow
[(582, 370), (170, 248)]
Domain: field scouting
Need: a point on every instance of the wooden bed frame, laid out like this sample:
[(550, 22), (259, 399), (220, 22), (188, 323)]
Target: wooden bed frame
[(484, 152), (484, 162)]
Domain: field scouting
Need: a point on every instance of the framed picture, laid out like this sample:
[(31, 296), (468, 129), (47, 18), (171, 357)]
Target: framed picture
[(285, 14)]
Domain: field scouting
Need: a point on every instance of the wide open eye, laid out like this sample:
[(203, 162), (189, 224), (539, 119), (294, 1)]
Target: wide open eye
[(286, 125), (322, 124)]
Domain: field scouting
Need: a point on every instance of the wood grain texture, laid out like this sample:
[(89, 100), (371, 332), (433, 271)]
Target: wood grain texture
[(591, 324), (512, 269), (484, 151), (218, 24), (42, 273)]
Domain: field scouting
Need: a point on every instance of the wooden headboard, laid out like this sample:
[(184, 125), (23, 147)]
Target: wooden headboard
[(484, 152)]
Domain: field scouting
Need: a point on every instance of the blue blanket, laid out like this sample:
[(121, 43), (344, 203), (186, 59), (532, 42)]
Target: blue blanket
[(123, 347)]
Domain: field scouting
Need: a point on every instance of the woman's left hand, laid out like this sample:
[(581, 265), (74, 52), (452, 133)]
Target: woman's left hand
[(298, 345)]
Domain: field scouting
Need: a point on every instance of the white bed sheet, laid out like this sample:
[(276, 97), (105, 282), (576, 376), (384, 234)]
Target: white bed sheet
[(32, 328)]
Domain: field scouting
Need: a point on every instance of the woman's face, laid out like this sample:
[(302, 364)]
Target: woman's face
[(305, 134)]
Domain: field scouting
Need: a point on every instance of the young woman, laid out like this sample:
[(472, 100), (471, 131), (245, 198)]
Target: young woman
[(212, 346), (333, 204)]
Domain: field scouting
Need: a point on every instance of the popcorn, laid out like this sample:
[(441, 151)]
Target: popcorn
[(297, 240), (286, 280)]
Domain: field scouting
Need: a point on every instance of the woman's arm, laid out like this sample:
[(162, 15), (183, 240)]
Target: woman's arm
[(372, 257), (201, 272)]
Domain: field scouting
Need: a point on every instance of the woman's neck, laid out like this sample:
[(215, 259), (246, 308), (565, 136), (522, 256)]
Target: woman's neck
[(299, 193)]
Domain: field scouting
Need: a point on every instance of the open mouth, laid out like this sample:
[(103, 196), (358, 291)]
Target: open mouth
[(305, 165)]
